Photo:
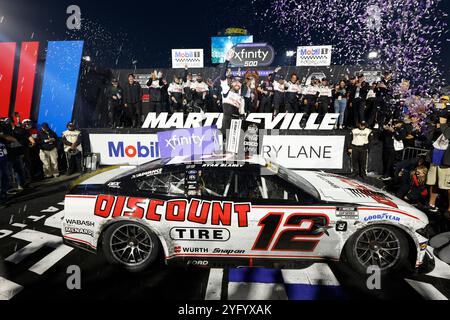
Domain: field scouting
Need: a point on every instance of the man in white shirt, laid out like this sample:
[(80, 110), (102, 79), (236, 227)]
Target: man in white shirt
[(233, 104)]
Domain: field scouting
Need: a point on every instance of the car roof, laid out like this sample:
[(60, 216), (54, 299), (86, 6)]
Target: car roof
[(258, 160)]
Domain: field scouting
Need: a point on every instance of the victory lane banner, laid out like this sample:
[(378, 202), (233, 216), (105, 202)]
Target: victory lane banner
[(313, 56), (305, 151), (192, 58)]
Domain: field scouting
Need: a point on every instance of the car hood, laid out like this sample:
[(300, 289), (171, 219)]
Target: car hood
[(336, 188)]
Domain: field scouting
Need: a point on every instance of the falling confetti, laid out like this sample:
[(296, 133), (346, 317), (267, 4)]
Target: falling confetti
[(407, 34)]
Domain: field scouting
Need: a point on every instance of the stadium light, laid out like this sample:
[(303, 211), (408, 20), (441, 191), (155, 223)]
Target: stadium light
[(290, 53), (87, 58), (373, 54)]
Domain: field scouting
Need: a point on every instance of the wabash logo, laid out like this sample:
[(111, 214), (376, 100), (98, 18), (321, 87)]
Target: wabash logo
[(196, 211), (118, 149)]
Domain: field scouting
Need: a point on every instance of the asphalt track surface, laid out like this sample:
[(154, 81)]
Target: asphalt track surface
[(34, 266)]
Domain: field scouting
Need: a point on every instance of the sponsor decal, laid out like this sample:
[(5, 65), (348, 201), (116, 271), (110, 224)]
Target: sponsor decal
[(119, 149), (76, 222), (284, 121), (76, 230), (314, 56), (347, 213), (199, 234), (197, 262), (341, 226), (147, 173), (195, 210), (187, 142), (252, 55), (382, 216), (114, 185), (192, 58), (179, 249), (228, 251)]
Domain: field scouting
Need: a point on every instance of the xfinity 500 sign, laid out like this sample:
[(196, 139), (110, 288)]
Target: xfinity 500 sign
[(252, 55)]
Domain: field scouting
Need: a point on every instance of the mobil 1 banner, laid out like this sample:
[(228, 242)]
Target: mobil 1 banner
[(305, 151)]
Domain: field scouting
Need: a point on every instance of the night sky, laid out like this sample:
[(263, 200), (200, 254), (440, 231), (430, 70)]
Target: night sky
[(118, 32)]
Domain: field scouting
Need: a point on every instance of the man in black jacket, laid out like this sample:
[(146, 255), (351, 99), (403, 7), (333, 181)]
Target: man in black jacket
[(47, 140), (393, 136), (115, 98), (358, 97), (132, 98)]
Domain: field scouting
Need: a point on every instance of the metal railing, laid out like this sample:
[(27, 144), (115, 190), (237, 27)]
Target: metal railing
[(411, 153)]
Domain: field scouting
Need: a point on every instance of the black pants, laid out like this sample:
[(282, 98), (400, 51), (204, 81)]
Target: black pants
[(228, 112), (292, 106), (134, 114), (73, 162), (308, 106), (265, 106), (359, 161), (359, 106), (248, 105), (278, 102), (390, 159), (155, 106), (324, 104)]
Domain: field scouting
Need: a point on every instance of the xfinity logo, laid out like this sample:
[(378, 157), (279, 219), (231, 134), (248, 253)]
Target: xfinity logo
[(252, 55), (175, 141), (244, 54)]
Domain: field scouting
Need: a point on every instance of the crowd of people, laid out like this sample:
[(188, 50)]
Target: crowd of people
[(29, 154)]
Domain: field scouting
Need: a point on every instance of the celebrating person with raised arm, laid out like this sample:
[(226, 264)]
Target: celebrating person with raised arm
[(233, 103)]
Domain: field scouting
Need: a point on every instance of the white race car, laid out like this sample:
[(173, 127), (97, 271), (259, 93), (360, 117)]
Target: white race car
[(223, 212)]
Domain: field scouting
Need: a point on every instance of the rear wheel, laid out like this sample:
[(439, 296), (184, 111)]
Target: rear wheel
[(131, 245), (382, 246)]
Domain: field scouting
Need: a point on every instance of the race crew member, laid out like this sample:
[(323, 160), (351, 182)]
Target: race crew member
[(72, 147), (199, 91), (325, 95), (266, 92), (233, 104), (279, 88), (155, 84), (176, 94), (310, 94), (293, 91), (132, 98), (361, 137)]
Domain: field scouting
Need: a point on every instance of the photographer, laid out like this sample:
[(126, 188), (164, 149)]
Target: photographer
[(439, 173)]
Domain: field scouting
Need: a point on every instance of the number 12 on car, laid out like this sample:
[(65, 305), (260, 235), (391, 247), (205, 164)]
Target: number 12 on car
[(300, 232)]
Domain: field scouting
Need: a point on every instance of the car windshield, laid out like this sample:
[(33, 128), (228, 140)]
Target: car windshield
[(299, 181)]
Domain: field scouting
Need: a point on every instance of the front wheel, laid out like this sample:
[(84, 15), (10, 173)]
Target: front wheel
[(131, 245), (381, 246)]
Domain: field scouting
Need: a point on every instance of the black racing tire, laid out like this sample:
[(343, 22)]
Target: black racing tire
[(130, 244), (362, 245)]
